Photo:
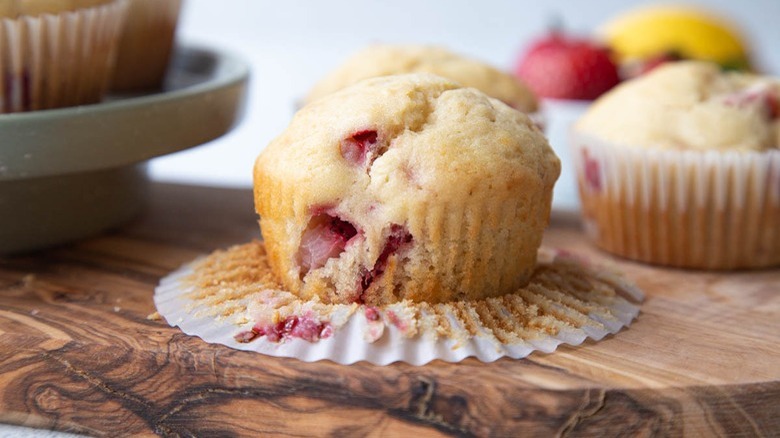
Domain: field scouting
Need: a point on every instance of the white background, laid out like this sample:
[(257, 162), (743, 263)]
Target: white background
[(290, 44)]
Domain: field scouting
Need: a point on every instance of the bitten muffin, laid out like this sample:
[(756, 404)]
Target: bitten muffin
[(56, 53), (405, 187), (383, 60), (681, 167)]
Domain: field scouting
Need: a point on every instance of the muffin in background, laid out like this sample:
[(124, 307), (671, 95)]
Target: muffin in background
[(382, 60), (17, 8), (681, 167), (405, 187), (146, 44), (56, 53)]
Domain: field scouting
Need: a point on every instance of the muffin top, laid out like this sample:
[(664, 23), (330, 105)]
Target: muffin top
[(689, 105), (383, 60), (17, 8), (471, 141)]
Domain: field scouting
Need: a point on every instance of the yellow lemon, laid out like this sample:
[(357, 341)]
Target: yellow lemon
[(685, 31)]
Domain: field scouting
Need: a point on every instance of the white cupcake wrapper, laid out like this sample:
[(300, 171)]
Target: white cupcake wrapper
[(57, 60), (348, 343), (681, 207)]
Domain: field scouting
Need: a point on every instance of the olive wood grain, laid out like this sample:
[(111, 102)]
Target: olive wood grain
[(78, 354)]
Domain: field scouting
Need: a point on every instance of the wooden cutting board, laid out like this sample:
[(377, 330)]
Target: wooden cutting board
[(78, 354)]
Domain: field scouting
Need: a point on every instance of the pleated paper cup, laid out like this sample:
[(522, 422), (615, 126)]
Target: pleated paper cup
[(683, 208), (146, 45), (231, 298), (57, 54)]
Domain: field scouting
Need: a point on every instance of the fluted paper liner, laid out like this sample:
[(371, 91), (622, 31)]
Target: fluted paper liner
[(221, 298), (708, 209), (58, 60), (146, 44)]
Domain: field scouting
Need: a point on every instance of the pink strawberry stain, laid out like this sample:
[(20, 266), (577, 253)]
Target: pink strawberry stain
[(411, 175), (359, 146), (592, 172), (10, 83), (305, 327), (773, 104), (563, 252), (765, 97), (396, 321), (398, 239), (325, 237), (566, 255), (372, 313)]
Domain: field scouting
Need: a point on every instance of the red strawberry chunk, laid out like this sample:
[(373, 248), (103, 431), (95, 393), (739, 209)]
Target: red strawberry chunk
[(773, 103), (359, 146), (592, 172), (398, 239), (657, 61), (760, 95), (306, 327), (636, 68), (324, 238), (372, 313)]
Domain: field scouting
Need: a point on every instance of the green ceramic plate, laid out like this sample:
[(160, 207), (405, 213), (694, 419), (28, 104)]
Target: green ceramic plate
[(72, 172)]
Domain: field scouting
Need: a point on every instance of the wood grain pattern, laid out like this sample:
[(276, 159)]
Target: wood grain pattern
[(78, 354)]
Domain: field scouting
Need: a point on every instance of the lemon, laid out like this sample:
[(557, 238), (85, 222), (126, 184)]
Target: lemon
[(685, 31)]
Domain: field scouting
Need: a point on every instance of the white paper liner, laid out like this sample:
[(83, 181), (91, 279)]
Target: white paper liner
[(349, 344), (58, 60), (711, 209)]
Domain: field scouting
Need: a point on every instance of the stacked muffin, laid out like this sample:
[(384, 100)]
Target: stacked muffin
[(56, 54)]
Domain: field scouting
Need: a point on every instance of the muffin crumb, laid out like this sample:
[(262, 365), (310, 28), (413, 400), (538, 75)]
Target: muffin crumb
[(562, 295)]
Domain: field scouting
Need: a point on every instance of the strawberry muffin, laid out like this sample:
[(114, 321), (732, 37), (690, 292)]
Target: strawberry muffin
[(405, 187), (681, 167), (383, 60), (56, 54)]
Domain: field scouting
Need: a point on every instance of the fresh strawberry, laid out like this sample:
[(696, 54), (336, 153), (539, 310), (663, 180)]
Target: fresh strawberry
[(564, 67), (636, 68)]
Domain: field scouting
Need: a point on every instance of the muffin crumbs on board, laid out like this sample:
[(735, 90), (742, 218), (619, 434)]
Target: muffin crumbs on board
[(564, 292)]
